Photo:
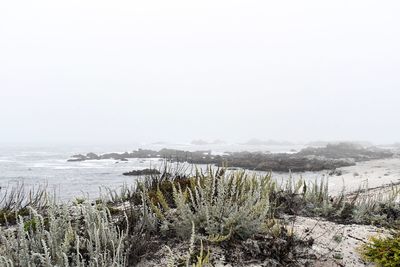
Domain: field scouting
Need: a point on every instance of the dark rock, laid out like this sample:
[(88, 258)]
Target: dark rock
[(78, 157), (92, 156), (347, 150), (330, 157)]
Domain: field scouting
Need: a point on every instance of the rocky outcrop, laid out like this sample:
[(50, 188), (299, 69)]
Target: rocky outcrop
[(284, 162), (309, 159), (347, 150), (78, 157)]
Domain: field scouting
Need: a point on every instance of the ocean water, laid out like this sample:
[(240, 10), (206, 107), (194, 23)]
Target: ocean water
[(35, 166)]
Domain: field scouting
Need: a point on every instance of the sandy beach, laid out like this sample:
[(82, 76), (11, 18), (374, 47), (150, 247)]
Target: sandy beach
[(368, 174)]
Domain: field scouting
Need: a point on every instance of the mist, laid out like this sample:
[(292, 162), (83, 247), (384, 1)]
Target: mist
[(103, 72)]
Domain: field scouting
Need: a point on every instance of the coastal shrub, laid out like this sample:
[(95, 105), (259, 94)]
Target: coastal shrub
[(234, 205), (85, 236), (378, 207), (9, 217), (383, 251), (293, 197), (163, 193), (15, 200), (151, 184), (215, 203), (16, 197), (193, 257), (298, 197), (122, 194)]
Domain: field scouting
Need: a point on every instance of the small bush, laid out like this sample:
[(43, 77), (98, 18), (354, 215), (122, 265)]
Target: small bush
[(235, 205), (192, 257), (383, 251), (15, 200), (164, 192), (313, 199)]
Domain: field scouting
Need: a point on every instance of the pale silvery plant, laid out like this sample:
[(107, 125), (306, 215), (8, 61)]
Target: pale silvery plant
[(228, 205), (61, 237)]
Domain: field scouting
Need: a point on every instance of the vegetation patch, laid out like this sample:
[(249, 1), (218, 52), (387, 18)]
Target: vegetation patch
[(231, 217), (383, 251), (142, 172)]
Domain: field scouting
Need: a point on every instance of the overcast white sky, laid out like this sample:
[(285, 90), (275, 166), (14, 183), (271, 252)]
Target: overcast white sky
[(123, 71)]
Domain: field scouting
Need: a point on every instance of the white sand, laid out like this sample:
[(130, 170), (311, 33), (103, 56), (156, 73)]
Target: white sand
[(336, 244), (374, 173)]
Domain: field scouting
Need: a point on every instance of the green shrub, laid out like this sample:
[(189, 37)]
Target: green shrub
[(10, 217), (15, 200), (163, 192), (383, 251)]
